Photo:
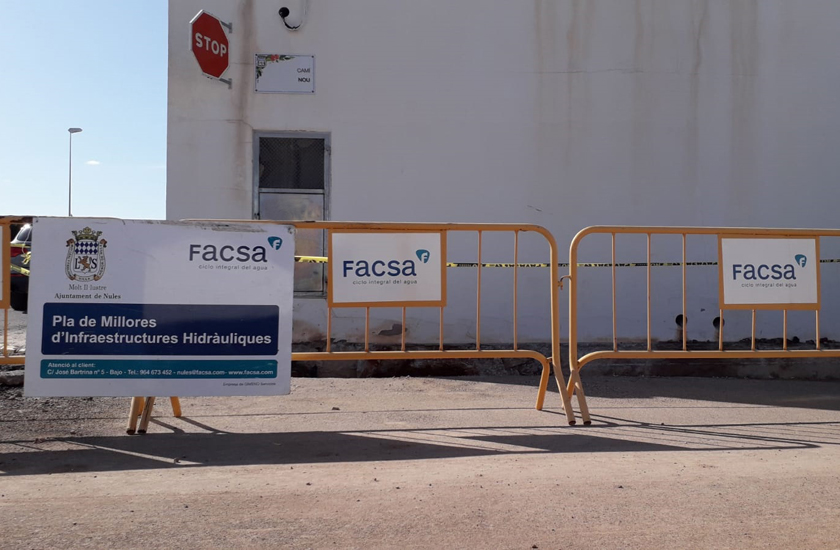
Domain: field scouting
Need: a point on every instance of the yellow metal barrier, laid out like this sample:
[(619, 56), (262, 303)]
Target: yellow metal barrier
[(441, 352), (5, 265), (575, 386)]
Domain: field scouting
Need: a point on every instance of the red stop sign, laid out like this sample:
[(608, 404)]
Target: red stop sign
[(209, 44)]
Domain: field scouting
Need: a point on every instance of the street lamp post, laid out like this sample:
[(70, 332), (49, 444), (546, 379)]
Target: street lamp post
[(70, 172)]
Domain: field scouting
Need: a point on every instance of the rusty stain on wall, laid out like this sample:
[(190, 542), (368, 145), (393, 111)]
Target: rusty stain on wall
[(241, 189), (744, 52), (699, 23)]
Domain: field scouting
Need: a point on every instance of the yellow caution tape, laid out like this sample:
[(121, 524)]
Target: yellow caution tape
[(311, 259), (324, 259), (22, 270)]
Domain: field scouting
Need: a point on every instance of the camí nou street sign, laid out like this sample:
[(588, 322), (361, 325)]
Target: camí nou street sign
[(209, 44)]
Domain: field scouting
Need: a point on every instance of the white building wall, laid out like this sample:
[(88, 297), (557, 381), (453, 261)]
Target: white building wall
[(564, 113)]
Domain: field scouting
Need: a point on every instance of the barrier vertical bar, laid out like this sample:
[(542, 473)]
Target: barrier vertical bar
[(441, 329), (515, 288), (5, 331), (546, 368), (478, 299), (556, 360), (817, 313), (5, 265), (784, 330), (573, 350), (615, 323), (648, 293), (402, 347), (367, 329), (684, 290), (329, 328), (446, 239)]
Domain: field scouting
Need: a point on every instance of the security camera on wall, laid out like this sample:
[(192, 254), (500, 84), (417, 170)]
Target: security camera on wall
[(298, 18)]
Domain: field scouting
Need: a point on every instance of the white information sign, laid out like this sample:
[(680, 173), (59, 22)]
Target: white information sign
[(769, 273), (284, 74), (390, 269), (127, 307)]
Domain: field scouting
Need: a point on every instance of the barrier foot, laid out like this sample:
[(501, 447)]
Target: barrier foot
[(576, 387), (543, 385), (134, 412), (564, 396), (146, 416), (176, 406)]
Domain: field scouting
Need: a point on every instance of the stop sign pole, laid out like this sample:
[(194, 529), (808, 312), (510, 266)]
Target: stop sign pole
[(210, 46)]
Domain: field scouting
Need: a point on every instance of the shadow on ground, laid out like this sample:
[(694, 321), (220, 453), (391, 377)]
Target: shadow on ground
[(818, 395), (821, 395), (217, 448)]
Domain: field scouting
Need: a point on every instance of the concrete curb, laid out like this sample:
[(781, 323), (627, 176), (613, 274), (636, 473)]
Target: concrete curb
[(785, 369)]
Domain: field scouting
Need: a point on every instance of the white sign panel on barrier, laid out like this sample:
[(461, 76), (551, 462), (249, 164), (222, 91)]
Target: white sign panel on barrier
[(387, 269), (769, 273), (129, 307)]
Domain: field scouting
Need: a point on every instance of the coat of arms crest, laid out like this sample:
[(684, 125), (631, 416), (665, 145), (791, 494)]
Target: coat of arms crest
[(85, 256)]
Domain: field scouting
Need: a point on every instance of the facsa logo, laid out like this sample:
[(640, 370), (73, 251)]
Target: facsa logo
[(230, 253), (227, 253), (776, 272), (382, 268)]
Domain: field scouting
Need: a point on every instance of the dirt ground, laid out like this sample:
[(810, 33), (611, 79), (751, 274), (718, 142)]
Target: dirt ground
[(16, 336), (431, 463)]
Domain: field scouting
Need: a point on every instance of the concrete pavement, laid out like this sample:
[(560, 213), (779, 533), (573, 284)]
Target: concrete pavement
[(429, 463)]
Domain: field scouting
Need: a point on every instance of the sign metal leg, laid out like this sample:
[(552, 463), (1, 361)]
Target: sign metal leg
[(176, 407), (136, 406), (146, 416)]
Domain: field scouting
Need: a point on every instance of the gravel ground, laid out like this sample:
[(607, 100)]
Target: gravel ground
[(17, 332)]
